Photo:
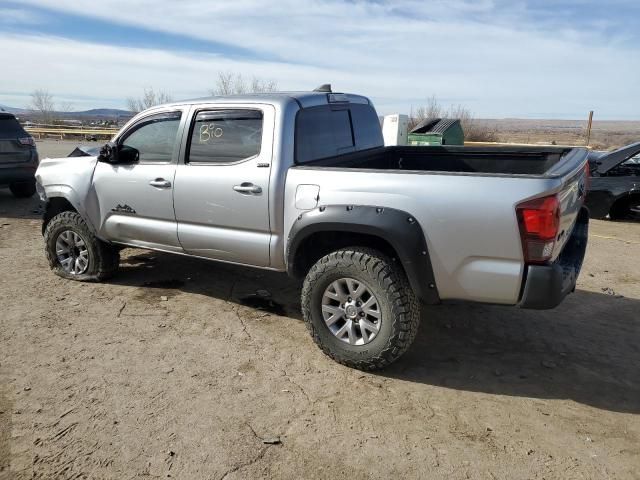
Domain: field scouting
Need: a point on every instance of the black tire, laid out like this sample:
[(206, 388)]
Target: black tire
[(23, 189), (399, 307), (626, 209), (103, 258)]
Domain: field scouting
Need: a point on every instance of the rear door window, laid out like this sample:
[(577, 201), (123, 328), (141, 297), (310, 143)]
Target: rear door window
[(225, 136)]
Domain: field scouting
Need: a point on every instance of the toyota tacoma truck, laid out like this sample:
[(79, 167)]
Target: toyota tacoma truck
[(302, 183)]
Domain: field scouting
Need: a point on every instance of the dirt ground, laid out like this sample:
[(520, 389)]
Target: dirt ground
[(179, 368)]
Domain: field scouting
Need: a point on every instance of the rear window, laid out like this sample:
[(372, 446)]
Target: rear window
[(330, 130), (10, 127)]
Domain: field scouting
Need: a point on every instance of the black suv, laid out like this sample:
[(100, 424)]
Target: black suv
[(18, 157)]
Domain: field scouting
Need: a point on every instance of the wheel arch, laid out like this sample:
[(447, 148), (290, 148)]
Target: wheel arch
[(53, 207), (623, 200), (395, 233)]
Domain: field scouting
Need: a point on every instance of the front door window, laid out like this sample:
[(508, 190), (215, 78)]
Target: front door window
[(154, 138)]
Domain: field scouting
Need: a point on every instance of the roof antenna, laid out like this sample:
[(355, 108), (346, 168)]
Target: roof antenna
[(326, 87)]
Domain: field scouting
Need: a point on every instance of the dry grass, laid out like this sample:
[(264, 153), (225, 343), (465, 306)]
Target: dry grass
[(604, 135), (474, 129)]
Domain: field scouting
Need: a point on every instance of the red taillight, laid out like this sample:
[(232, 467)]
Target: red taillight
[(27, 141), (539, 221), (541, 217)]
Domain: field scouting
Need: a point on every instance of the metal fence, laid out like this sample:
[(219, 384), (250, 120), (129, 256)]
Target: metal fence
[(62, 131)]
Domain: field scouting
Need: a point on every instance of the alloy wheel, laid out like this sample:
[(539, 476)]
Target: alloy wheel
[(351, 311), (72, 252)]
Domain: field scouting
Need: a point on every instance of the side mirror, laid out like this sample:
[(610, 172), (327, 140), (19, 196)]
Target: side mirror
[(128, 155), (108, 153), (114, 154)]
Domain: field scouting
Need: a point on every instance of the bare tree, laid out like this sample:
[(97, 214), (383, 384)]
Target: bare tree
[(431, 109), (65, 107), (42, 105), (150, 98), (230, 83), (260, 85), (474, 131)]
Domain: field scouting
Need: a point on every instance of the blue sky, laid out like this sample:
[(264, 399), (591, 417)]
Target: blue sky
[(529, 59)]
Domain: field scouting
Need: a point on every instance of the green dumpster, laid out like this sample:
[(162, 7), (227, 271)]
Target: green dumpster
[(437, 131)]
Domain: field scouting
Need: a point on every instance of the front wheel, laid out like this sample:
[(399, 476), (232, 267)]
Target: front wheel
[(75, 253), (360, 308)]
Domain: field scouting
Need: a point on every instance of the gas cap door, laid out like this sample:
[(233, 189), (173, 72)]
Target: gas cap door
[(307, 197)]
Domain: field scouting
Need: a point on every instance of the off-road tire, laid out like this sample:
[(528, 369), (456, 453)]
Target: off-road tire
[(621, 210), (399, 306), (23, 189), (103, 258)]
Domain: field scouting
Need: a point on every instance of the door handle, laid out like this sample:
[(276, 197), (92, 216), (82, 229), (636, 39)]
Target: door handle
[(247, 187), (160, 183)]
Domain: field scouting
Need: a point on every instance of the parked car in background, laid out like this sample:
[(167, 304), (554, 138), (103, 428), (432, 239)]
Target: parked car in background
[(615, 183), (18, 157), (302, 183)]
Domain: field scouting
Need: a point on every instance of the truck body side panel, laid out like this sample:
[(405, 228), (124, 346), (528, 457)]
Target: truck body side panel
[(469, 221)]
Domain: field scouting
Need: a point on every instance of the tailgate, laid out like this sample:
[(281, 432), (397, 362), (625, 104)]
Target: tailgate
[(571, 198), (11, 152)]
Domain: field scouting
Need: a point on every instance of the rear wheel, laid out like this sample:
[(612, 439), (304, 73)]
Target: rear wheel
[(627, 209), (360, 308), (75, 253), (23, 189)]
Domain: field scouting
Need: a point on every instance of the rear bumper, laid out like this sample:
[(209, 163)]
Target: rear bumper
[(546, 285), (13, 174)]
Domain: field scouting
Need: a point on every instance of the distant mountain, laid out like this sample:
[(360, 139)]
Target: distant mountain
[(12, 110), (107, 112), (95, 112)]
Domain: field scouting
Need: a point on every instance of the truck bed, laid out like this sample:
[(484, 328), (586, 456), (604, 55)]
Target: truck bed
[(536, 161), (464, 198)]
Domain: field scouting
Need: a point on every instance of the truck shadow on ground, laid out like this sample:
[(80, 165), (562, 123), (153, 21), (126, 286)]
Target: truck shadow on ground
[(12, 207), (587, 349), (165, 274)]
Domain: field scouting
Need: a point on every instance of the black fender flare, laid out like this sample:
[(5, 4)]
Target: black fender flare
[(398, 228)]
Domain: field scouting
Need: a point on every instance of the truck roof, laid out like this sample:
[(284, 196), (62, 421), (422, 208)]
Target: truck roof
[(303, 99)]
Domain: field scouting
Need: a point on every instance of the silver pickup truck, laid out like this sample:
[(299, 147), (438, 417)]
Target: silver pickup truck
[(301, 182)]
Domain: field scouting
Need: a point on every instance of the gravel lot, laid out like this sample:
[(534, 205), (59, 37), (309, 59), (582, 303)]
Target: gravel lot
[(61, 148), (178, 368)]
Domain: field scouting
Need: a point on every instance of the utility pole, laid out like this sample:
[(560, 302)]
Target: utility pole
[(589, 127)]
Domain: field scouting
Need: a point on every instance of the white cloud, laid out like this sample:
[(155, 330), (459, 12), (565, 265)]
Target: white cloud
[(84, 73), (486, 55), (11, 16)]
